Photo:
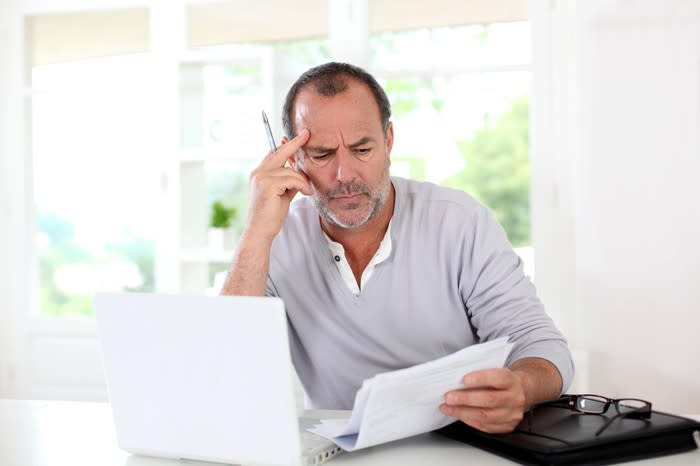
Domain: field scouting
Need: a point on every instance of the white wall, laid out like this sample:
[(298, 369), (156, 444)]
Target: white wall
[(639, 205), (11, 218), (620, 162), (4, 212)]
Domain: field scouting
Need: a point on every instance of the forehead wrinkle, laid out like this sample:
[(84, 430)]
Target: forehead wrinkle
[(330, 127), (363, 140), (320, 148), (328, 148), (341, 137)]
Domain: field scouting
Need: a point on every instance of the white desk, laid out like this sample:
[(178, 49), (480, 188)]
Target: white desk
[(54, 433)]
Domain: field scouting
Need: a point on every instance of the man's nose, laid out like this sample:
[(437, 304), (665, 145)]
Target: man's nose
[(345, 171)]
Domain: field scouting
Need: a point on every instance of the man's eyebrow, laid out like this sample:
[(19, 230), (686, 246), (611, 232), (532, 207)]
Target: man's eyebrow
[(308, 148), (354, 145), (361, 142)]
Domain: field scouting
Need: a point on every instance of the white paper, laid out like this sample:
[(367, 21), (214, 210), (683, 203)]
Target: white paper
[(406, 402)]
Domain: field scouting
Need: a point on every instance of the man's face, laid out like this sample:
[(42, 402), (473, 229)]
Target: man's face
[(347, 156)]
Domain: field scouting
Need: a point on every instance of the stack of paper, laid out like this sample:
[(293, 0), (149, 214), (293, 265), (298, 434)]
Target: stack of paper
[(405, 402)]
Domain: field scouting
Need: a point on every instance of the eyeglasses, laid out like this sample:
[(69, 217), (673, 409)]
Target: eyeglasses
[(595, 404)]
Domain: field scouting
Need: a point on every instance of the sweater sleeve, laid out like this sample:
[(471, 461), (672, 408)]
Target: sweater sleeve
[(501, 301), (270, 289)]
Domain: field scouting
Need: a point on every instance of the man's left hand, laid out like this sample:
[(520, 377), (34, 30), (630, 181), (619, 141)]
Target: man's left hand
[(492, 400)]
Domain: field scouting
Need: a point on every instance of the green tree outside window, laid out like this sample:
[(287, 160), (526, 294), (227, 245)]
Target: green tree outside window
[(497, 170)]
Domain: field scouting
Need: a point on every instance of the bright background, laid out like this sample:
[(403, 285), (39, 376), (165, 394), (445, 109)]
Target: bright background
[(575, 122)]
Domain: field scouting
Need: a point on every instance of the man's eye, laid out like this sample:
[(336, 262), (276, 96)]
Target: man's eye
[(320, 156), (363, 151)]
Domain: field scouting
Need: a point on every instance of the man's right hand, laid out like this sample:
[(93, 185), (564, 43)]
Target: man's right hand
[(272, 188)]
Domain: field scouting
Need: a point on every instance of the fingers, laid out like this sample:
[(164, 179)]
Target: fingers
[(272, 188), (273, 167), (500, 378), (482, 398), (289, 180), (493, 400), (489, 388), (280, 179), (495, 421), (286, 150)]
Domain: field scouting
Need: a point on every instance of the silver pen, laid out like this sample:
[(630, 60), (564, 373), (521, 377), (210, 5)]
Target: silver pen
[(268, 130)]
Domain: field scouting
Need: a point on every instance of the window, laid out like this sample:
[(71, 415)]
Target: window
[(223, 91), (460, 110), (96, 181)]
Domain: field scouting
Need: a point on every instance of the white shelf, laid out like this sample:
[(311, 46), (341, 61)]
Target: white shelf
[(200, 166)]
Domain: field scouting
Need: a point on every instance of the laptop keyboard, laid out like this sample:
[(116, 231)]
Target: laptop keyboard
[(316, 449), (311, 442)]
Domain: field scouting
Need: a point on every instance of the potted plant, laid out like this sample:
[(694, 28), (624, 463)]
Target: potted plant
[(221, 235)]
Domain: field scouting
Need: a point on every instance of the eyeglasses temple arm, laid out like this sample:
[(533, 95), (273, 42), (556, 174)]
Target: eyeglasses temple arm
[(562, 402)]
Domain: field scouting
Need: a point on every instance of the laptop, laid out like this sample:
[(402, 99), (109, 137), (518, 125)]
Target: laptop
[(204, 378)]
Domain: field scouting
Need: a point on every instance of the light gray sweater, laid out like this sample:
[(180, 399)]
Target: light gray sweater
[(452, 280)]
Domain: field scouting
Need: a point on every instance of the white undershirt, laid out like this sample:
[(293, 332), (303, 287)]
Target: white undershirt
[(338, 253)]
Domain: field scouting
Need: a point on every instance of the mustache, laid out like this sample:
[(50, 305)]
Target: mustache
[(349, 189)]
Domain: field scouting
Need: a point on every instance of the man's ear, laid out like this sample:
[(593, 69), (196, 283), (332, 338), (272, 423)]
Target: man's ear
[(389, 138)]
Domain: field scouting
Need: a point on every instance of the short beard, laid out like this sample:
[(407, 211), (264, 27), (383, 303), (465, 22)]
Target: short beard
[(378, 198)]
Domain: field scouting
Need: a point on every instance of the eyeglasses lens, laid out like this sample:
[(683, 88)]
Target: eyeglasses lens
[(592, 404), (630, 405)]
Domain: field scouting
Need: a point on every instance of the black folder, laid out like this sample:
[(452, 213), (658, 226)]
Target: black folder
[(554, 436)]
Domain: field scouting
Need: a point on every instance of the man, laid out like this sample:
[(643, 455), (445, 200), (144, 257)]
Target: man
[(379, 273)]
